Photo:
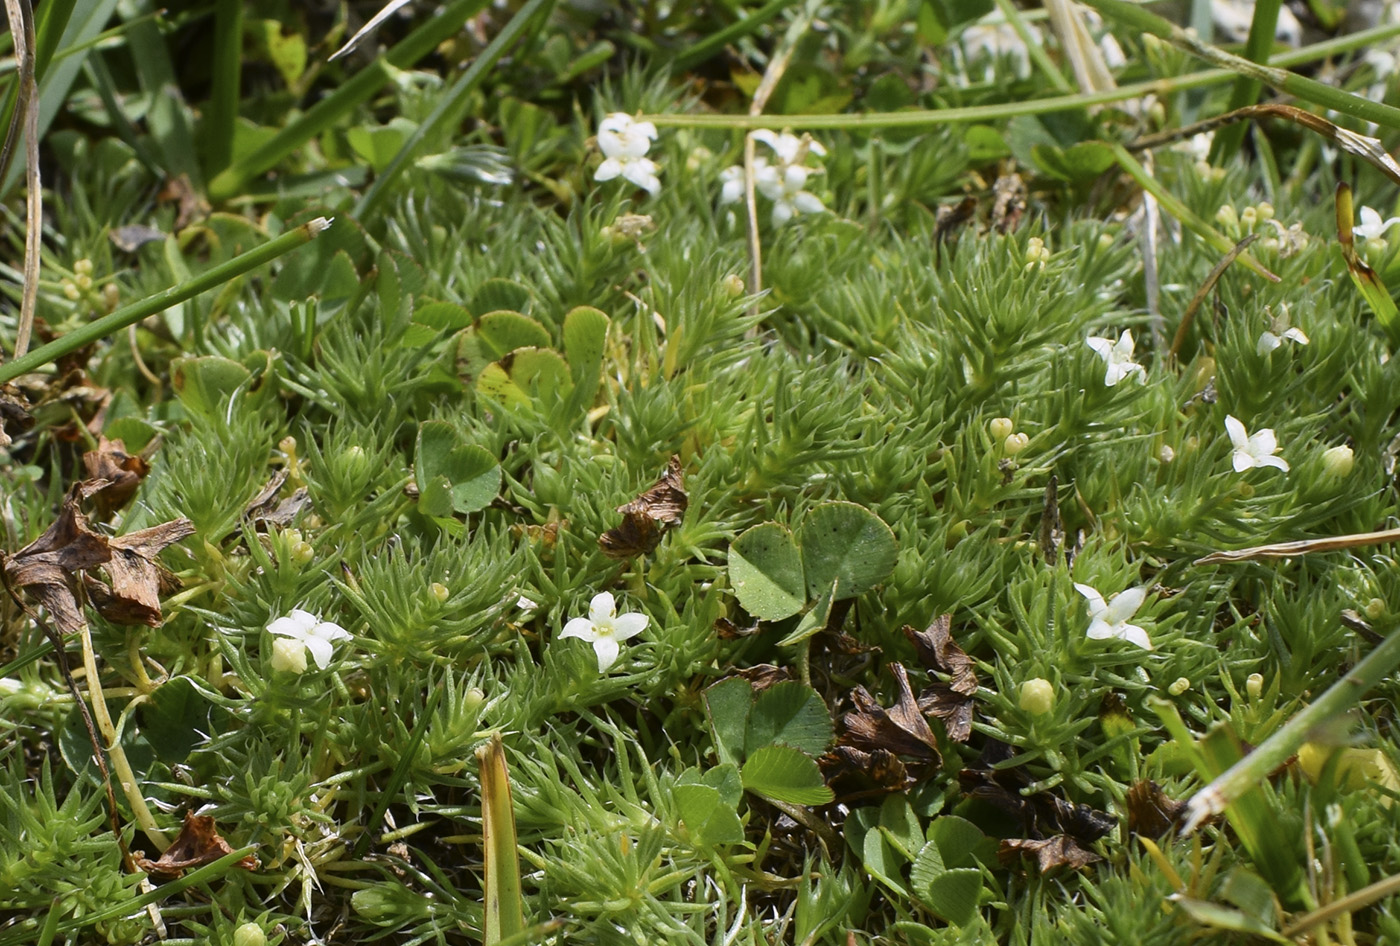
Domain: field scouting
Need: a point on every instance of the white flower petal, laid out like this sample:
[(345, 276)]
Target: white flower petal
[(1277, 462), (1103, 347), (628, 626), (1268, 342), (288, 627), (607, 650), (288, 655), (608, 170), (1263, 443), (1238, 435), (1296, 335), (1100, 630), (1125, 604), (808, 203), (1096, 604), (642, 172), (330, 631), (582, 628), (603, 608), (1135, 635), (321, 650), (1123, 349), (782, 212), (1244, 460)]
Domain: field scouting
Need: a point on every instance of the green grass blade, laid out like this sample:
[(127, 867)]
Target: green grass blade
[(129, 315), (1246, 91), (716, 41), (55, 84), (531, 16), (356, 90), (221, 114), (168, 119), (505, 916), (53, 20)]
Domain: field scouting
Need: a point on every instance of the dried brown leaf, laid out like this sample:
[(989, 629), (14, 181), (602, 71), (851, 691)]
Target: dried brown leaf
[(1150, 811), (1009, 203), (1042, 813), (122, 471), (952, 702), (266, 510), (901, 729), (47, 567), (14, 413), (137, 577), (197, 844), (1049, 854), (646, 518)]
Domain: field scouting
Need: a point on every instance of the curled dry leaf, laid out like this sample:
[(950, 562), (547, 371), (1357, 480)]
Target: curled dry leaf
[(1049, 854), (14, 414), (951, 702), (1150, 812), (122, 471), (1043, 814), (49, 567), (265, 510), (1009, 203), (874, 739), (196, 845), (646, 518)]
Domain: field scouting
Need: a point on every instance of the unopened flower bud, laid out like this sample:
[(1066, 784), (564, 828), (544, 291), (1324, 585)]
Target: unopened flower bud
[(1105, 240), (83, 267), (71, 292), (1248, 217), (1179, 686), (84, 281), (249, 934), (1254, 685), (288, 654), (1265, 210), (1375, 608), (1014, 444), (733, 285), (111, 296), (1037, 696), (1338, 461), (1001, 428), (1165, 454), (440, 592), (1227, 217)]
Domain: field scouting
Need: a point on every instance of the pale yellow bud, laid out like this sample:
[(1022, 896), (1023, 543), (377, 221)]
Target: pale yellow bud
[(1227, 217), (1001, 428), (1338, 461), (288, 654), (733, 285), (1037, 696), (1254, 685), (249, 934), (1179, 686), (83, 267), (1014, 444), (1375, 608), (1265, 210), (439, 591)]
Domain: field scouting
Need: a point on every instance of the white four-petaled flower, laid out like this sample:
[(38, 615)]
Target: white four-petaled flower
[(604, 628), (1255, 449), (1109, 619), (624, 142), (1372, 227), (1117, 357), (1279, 332), (783, 182), (299, 632)]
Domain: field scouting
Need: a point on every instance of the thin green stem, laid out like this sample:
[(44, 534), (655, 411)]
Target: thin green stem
[(1033, 47), (222, 112), (1278, 748), (985, 113), (716, 41), (130, 315)]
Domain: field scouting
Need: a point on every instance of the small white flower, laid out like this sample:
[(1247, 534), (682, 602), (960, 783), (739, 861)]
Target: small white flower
[(1279, 332), (732, 181), (624, 142), (1253, 450), (604, 628), (783, 185), (305, 631), (1117, 357), (1110, 619), (789, 148), (1372, 227)]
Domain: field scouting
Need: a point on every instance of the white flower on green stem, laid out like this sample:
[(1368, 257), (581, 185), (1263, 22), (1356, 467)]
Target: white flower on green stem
[(299, 632), (789, 148), (1117, 357), (624, 142), (605, 629), (1109, 619), (783, 185), (1255, 449)]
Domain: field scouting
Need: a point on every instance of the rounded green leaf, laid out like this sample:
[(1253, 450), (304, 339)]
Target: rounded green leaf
[(783, 773), (500, 293), (953, 895), (790, 713), (475, 476), (765, 570), (847, 544)]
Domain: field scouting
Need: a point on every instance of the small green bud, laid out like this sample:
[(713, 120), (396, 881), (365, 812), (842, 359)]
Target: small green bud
[(1227, 217), (1265, 210), (733, 285), (1254, 685), (1179, 686), (111, 296), (440, 592), (1001, 428), (1015, 444), (1338, 461), (70, 291), (83, 267), (1037, 696), (249, 934), (1375, 608), (1248, 217)]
